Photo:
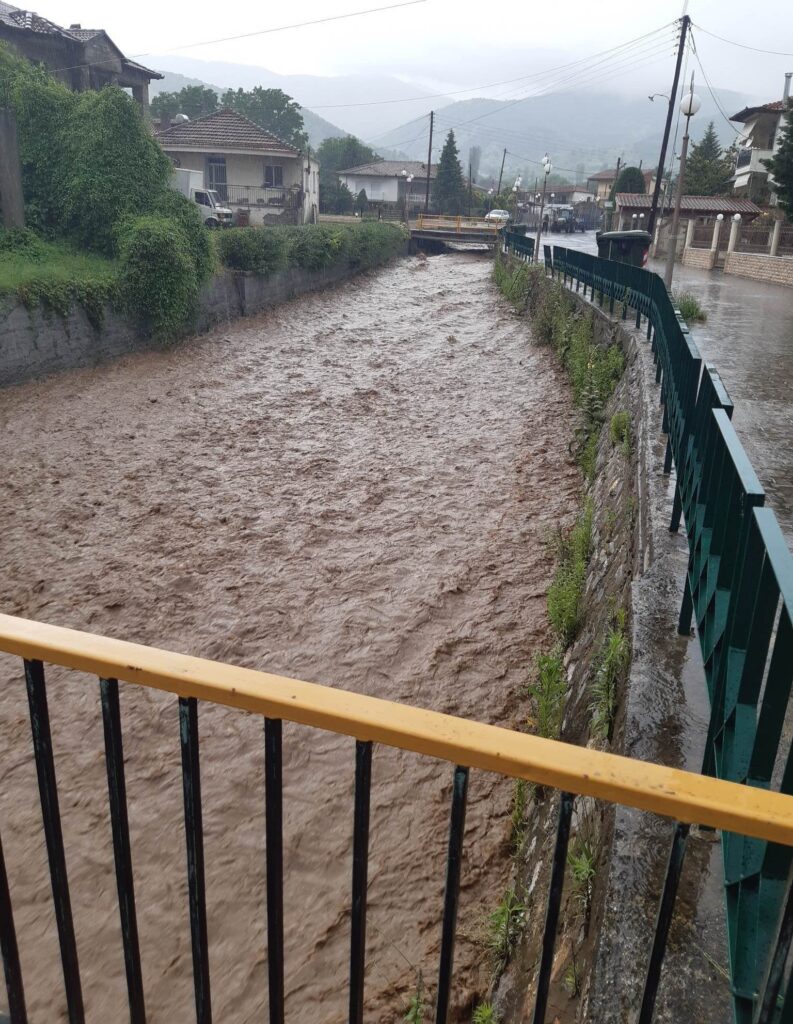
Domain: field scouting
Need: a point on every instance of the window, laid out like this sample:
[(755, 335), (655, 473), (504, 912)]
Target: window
[(202, 199), (273, 176), (216, 175)]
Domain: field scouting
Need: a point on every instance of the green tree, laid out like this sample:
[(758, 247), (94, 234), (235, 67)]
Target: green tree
[(193, 100), (780, 166), (630, 179), (272, 110), (362, 202), (708, 170), (334, 155), (450, 191)]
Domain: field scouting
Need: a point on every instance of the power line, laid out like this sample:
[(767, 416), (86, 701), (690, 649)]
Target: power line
[(729, 123), (743, 46), (250, 35)]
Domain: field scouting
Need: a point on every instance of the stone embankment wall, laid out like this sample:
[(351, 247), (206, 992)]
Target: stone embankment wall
[(761, 267), (35, 342), (705, 259)]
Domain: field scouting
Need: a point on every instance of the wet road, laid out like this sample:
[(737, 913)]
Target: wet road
[(748, 337), (356, 488)]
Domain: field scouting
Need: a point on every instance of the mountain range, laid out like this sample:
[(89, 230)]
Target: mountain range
[(583, 130)]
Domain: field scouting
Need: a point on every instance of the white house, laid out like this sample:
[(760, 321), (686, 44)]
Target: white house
[(261, 178), (758, 142), (387, 181)]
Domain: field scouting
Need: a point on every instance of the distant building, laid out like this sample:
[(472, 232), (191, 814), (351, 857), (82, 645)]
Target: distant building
[(80, 58), (603, 182), (261, 178), (386, 181), (759, 141)]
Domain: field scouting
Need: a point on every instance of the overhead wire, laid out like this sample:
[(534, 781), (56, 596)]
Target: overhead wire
[(743, 46), (730, 124), (258, 32)]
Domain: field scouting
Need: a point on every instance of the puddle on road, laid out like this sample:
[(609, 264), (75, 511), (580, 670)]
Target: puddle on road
[(356, 488)]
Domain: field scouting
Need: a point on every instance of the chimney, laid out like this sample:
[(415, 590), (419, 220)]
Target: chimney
[(786, 90), (76, 26)]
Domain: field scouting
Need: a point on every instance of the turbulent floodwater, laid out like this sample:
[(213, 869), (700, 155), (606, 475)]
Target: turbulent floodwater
[(356, 488)]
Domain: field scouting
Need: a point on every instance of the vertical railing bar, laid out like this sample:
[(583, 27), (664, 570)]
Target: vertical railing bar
[(194, 836), (122, 850), (554, 904), (48, 793), (663, 922), (766, 1012), (10, 952), (360, 866), (273, 795), (452, 893)]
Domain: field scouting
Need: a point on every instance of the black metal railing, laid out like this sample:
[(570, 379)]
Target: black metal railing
[(681, 795), (288, 198)]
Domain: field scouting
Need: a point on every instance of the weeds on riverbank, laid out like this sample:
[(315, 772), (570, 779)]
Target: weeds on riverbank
[(485, 1014), (613, 664), (547, 692), (689, 306), (417, 1006), (504, 928), (567, 587)]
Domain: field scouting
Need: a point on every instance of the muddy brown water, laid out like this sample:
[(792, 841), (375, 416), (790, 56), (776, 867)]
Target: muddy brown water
[(356, 488)]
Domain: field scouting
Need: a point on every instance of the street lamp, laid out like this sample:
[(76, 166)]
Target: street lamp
[(689, 105), (490, 199), (408, 181), (547, 167)]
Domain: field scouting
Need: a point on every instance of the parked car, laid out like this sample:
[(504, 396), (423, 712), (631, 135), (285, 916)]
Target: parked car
[(499, 216)]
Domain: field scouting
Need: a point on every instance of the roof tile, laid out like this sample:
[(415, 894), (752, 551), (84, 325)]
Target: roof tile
[(223, 130), (703, 204), (392, 169)]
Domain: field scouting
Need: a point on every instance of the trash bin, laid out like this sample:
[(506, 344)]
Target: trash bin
[(243, 217), (624, 246)]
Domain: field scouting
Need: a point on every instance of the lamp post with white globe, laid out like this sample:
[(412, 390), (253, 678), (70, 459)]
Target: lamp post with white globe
[(548, 167), (689, 105)]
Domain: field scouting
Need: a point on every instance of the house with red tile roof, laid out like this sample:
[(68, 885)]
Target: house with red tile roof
[(758, 142), (263, 179)]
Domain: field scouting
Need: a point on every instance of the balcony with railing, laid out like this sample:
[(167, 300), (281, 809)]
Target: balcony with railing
[(750, 161), (255, 196)]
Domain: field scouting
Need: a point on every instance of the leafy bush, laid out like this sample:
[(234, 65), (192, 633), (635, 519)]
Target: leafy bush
[(621, 430), (259, 250), (21, 243), (309, 246), (181, 211), (548, 692), (504, 927), (613, 663), (690, 309), (317, 246), (567, 587), (158, 278), (484, 1014)]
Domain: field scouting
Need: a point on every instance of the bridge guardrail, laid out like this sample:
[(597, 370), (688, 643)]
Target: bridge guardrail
[(739, 591), (458, 224), (761, 821)]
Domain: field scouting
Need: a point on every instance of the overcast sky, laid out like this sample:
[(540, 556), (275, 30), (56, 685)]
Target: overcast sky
[(451, 44)]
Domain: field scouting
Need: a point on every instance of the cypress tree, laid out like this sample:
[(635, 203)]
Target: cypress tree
[(780, 166), (708, 171), (449, 184)]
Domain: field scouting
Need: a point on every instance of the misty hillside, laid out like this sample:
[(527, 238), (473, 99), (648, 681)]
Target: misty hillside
[(315, 91), (317, 127), (583, 132)]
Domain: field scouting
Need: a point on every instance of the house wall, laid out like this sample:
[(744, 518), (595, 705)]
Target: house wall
[(760, 267), (54, 52), (241, 168), (377, 188)]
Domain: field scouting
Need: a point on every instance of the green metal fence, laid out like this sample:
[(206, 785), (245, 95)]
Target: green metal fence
[(520, 245), (739, 592)]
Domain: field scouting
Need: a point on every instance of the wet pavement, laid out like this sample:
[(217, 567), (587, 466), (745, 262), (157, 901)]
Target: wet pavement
[(748, 337), (355, 488)]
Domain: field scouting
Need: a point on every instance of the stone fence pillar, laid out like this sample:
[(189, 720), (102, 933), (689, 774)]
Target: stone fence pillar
[(689, 233), (775, 237), (714, 243), (735, 229)]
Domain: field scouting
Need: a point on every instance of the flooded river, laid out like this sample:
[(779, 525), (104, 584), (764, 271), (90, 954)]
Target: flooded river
[(356, 488)]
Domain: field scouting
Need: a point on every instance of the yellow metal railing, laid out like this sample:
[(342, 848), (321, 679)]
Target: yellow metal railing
[(460, 225), (682, 795)]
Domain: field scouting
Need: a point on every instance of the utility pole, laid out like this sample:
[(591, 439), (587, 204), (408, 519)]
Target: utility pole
[(614, 207), (685, 24), (429, 165), (501, 173), (470, 188), (689, 107)]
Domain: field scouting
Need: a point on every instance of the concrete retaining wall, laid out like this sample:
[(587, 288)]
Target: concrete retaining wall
[(34, 343), (775, 269), (705, 259)]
